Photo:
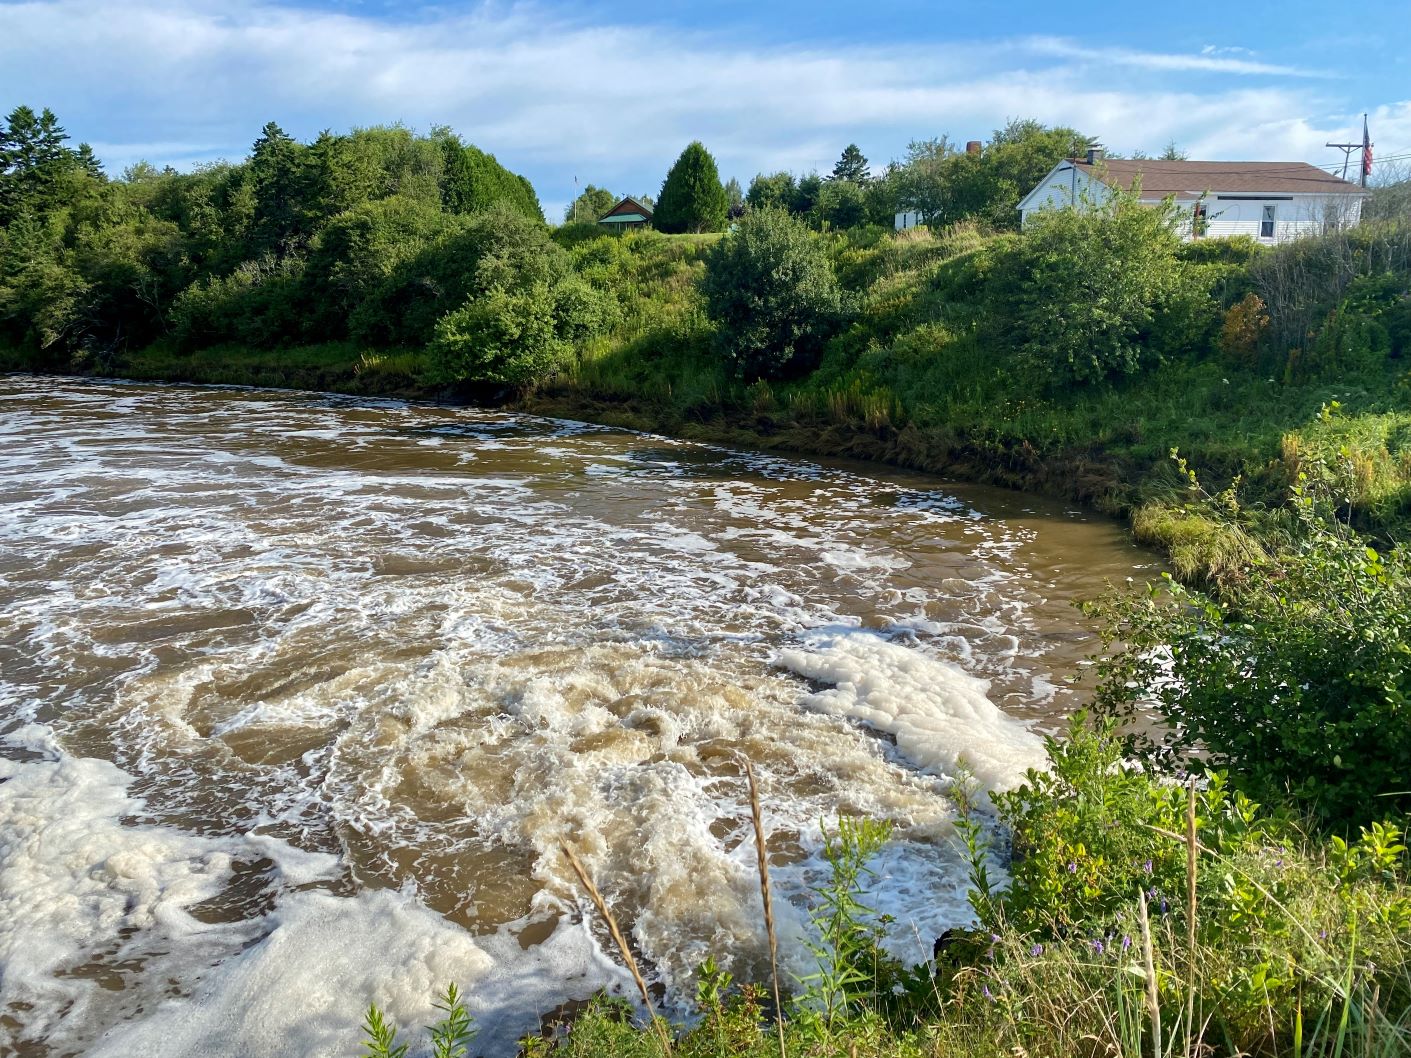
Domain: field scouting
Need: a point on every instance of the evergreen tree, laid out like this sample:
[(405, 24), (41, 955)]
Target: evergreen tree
[(806, 194), (89, 162), (852, 166), (32, 160), (275, 170), (692, 197)]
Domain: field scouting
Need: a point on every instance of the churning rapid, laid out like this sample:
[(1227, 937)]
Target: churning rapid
[(300, 694)]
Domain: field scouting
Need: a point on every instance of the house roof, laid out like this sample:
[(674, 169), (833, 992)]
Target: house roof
[(624, 211), (1187, 180)]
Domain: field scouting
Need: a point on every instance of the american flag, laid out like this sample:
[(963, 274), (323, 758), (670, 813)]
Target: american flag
[(1366, 150)]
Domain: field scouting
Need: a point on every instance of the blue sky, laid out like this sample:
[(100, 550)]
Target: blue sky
[(609, 92)]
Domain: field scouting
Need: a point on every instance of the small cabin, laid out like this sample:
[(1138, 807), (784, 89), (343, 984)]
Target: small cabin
[(629, 213), (1271, 202)]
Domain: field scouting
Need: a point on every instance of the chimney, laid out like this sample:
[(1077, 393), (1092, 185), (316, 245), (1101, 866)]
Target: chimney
[(1096, 153), (972, 147)]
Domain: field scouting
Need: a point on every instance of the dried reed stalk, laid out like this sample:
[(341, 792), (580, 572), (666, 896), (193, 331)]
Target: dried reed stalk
[(620, 941), (1191, 850), (762, 860), (1153, 999)]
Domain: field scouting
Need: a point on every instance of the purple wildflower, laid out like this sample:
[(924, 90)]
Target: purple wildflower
[(1036, 950), (1097, 946), (1126, 943), (1147, 867), (1072, 867), (988, 995)]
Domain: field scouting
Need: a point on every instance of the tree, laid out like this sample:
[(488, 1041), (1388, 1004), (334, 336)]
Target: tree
[(692, 198), (276, 173), (806, 194), (590, 205), (841, 204), (922, 180), (33, 159), (852, 166), (947, 186), (735, 197), (772, 294), (771, 191)]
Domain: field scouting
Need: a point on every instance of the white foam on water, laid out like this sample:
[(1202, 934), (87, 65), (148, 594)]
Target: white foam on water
[(941, 716), (80, 880)]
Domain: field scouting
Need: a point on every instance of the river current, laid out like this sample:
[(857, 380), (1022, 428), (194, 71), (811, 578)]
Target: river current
[(300, 694)]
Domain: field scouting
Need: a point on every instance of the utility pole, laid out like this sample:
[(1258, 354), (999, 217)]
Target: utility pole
[(1347, 149)]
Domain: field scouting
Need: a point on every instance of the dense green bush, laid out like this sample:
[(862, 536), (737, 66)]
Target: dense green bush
[(1089, 294), (360, 249), (497, 248), (257, 304), (1296, 676), (499, 337), (771, 293), (841, 204)]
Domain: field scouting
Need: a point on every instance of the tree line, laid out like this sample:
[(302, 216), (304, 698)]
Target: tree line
[(298, 242), (937, 179)]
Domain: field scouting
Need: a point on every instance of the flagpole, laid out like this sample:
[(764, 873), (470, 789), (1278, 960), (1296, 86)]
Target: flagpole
[(1366, 150)]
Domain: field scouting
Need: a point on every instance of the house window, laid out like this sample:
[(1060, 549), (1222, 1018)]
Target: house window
[(1266, 226)]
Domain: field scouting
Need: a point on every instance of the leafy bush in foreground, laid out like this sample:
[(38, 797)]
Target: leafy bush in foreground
[(1296, 675)]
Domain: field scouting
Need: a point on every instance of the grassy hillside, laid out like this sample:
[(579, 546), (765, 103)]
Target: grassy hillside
[(914, 379)]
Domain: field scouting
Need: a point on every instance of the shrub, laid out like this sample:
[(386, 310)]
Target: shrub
[(841, 204), (258, 304), (499, 247), (1085, 295), (501, 337), (1240, 334), (772, 294), (1296, 675)]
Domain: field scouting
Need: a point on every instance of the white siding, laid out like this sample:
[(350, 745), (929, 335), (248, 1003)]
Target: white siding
[(1063, 185), (909, 219), (1294, 215)]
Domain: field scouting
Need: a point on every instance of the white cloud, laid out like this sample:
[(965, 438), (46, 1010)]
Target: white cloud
[(614, 104), (1210, 59)]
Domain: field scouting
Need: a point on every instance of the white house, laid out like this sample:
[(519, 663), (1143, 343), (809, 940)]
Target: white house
[(1270, 201)]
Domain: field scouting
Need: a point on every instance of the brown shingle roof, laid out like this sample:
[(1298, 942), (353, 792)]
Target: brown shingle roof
[(1191, 179)]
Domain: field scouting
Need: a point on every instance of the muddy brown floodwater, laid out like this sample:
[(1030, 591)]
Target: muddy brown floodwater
[(299, 695)]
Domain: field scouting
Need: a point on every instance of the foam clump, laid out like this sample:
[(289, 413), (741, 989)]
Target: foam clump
[(73, 879), (302, 989), (941, 716)]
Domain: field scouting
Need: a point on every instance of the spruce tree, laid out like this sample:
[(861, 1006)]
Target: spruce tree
[(692, 197), (276, 173), (852, 166)]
